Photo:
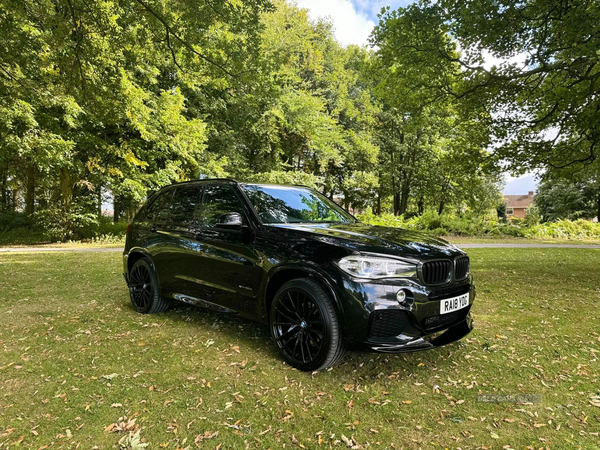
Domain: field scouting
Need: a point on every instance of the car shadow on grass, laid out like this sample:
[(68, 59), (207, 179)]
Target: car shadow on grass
[(357, 363)]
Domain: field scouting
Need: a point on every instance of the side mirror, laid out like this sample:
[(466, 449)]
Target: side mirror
[(230, 220)]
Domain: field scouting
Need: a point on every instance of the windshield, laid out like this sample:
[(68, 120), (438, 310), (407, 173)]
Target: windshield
[(287, 204)]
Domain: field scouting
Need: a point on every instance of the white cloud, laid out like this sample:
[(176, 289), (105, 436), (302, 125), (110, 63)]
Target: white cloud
[(490, 60), (351, 27), (521, 185)]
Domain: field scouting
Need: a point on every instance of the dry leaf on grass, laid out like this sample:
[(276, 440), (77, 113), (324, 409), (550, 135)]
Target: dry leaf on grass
[(202, 437), (122, 425)]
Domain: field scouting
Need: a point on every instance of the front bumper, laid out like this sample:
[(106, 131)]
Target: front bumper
[(427, 342), (375, 319)]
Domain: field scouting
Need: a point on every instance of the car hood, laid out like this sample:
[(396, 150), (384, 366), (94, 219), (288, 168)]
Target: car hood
[(376, 239)]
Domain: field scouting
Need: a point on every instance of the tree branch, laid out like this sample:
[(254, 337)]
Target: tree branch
[(187, 45)]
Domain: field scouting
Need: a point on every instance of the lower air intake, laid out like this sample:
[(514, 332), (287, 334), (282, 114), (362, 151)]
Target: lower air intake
[(387, 323)]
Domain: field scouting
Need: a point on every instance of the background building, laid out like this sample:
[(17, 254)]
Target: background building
[(517, 205)]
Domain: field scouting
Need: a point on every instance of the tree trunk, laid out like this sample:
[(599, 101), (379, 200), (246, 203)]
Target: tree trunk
[(4, 200), (99, 200), (421, 206), (396, 204), (404, 201), (378, 204), (598, 212), (30, 192), (441, 207), (404, 194), (116, 209), (15, 193), (66, 190), (396, 201)]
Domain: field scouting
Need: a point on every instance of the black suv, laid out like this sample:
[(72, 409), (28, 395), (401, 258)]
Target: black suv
[(290, 257)]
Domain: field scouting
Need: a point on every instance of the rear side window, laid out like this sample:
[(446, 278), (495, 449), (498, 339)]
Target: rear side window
[(158, 210), (219, 200), (184, 207)]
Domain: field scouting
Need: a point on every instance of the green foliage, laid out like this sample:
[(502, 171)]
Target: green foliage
[(97, 95), (474, 225), (106, 102), (560, 199), (50, 225), (9, 220), (59, 226), (132, 441), (291, 177), (539, 102), (532, 216)]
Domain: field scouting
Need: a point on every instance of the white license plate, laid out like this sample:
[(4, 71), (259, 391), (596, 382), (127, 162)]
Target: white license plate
[(454, 304)]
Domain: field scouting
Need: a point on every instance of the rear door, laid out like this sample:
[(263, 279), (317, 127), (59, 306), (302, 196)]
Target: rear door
[(152, 230), (181, 246), (228, 264)]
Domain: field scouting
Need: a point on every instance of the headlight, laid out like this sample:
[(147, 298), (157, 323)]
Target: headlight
[(374, 267)]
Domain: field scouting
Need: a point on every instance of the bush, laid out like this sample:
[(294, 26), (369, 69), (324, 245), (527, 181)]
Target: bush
[(103, 227), (471, 225), (9, 220), (60, 226), (52, 225)]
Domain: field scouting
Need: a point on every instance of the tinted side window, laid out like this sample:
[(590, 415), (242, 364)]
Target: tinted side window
[(219, 200), (159, 208), (184, 207)]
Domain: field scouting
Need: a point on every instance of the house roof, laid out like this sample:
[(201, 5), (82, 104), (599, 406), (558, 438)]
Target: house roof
[(518, 201)]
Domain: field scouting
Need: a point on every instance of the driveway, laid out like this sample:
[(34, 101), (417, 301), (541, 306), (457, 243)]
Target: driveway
[(499, 245), (59, 249)]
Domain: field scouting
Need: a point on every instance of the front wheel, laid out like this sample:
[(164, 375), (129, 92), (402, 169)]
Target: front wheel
[(143, 289), (305, 326)]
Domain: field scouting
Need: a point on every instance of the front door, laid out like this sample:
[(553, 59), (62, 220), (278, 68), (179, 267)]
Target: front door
[(229, 267)]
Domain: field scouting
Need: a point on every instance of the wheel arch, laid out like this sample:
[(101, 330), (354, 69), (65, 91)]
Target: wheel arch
[(282, 274), (137, 253)]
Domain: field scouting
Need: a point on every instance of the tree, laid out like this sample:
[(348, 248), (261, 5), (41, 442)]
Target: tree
[(559, 199), (305, 110), (116, 99), (542, 98), (91, 93)]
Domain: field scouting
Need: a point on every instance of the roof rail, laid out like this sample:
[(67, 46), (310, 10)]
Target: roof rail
[(228, 180)]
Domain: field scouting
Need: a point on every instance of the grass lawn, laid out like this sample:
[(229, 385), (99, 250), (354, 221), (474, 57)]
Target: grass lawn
[(76, 359), (71, 244)]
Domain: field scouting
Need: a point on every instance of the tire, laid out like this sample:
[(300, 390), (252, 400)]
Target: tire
[(143, 289), (305, 326)]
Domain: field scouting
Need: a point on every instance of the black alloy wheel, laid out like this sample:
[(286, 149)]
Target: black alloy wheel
[(143, 289), (305, 326)]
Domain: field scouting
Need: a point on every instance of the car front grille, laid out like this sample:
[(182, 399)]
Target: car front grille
[(387, 323), (461, 268), (436, 272), (435, 323)]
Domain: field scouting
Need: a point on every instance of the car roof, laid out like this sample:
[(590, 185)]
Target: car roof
[(229, 181)]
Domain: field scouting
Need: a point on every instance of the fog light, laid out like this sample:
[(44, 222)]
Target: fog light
[(401, 296)]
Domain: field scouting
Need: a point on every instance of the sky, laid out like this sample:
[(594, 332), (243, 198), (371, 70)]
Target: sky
[(354, 20)]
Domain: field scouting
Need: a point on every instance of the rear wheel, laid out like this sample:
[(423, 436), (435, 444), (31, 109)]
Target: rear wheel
[(305, 325), (143, 289)]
